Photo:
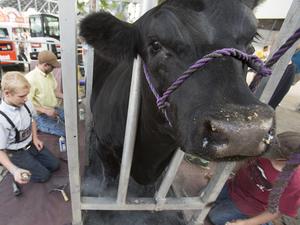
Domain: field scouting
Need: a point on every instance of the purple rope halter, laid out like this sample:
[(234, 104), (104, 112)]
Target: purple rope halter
[(280, 52), (251, 60), (282, 182)]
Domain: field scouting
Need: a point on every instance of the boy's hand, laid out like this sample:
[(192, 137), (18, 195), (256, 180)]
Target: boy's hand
[(38, 144), (21, 176)]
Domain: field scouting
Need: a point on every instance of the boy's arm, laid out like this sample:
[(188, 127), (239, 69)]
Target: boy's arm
[(256, 220), (12, 168), (36, 141)]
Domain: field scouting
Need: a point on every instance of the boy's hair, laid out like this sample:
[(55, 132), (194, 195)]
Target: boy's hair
[(13, 81), (288, 143), (288, 147)]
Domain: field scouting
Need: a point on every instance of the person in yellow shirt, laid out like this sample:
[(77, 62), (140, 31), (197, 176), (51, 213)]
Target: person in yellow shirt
[(44, 94), (263, 53)]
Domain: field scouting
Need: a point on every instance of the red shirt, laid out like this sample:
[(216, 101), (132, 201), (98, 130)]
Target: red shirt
[(250, 189)]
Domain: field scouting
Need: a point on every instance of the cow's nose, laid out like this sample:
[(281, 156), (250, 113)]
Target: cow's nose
[(237, 135)]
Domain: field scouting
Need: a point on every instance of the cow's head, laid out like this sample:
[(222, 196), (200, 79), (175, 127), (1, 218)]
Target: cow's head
[(213, 114)]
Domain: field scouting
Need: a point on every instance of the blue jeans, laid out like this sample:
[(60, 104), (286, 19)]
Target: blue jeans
[(40, 163), (52, 125), (225, 210)]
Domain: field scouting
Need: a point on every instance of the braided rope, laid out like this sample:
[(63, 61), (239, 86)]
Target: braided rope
[(282, 182), (276, 56), (251, 60)]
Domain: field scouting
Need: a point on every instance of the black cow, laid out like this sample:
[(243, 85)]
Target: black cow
[(213, 114)]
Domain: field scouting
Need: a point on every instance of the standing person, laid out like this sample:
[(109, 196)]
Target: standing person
[(264, 189), (21, 151), (263, 53), (44, 94)]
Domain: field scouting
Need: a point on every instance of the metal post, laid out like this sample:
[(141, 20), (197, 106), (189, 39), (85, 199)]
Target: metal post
[(88, 61), (212, 190), (67, 18), (131, 126), (160, 196), (291, 23), (131, 123), (19, 6)]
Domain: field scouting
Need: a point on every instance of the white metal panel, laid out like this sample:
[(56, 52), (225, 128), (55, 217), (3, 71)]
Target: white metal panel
[(67, 18), (141, 204)]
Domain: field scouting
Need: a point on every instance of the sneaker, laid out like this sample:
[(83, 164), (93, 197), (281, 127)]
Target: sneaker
[(16, 189)]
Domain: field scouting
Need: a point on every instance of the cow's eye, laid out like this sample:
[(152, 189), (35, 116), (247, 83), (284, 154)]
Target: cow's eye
[(250, 49), (155, 46)]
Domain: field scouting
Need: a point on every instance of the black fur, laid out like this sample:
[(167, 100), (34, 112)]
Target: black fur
[(169, 39)]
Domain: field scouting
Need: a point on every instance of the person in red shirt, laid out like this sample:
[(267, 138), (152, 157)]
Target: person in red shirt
[(263, 189)]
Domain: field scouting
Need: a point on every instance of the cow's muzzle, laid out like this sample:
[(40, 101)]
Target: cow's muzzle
[(237, 133)]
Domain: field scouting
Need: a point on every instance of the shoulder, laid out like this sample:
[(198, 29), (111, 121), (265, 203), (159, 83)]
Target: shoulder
[(32, 74), (3, 121), (29, 75)]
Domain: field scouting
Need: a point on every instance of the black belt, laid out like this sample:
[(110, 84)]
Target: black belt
[(21, 149)]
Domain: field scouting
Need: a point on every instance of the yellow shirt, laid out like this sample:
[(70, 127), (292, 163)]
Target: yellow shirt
[(42, 91)]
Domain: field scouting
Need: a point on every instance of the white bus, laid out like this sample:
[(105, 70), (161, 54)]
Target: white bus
[(44, 34)]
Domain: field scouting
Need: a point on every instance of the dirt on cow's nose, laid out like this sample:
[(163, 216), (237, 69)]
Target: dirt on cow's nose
[(233, 133)]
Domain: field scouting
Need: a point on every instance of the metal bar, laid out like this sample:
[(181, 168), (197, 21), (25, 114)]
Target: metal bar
[(291, 23), (212, 190), (54, 9), (23, 41), (49, 7), (42, 7), (89, 71), (14, 61), (19, 6), (67, 18), (131, 122), (28, 4), (131, 126), (187, 203), (160, 196)]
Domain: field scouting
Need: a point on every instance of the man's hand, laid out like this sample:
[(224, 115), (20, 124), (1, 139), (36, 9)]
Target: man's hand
[(38, 144), (50, 112), (19, 177)]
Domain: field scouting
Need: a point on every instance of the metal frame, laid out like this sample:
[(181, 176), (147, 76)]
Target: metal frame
[(289, 26), (67, 15), (67, 18), (49, 6)]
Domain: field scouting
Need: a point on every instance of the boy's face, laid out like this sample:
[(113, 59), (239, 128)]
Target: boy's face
[(17, 98)]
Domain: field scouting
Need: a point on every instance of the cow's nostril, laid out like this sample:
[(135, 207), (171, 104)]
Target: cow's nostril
[(214, 136)]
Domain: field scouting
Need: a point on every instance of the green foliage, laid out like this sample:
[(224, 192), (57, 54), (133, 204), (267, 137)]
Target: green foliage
[(118, 8)]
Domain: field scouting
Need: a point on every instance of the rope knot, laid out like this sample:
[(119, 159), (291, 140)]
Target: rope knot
[(264, 71), (162, 104), (259, 66)]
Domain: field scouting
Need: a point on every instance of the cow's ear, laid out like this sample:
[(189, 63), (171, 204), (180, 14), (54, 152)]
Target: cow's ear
[(252, 3), (111, 37)]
